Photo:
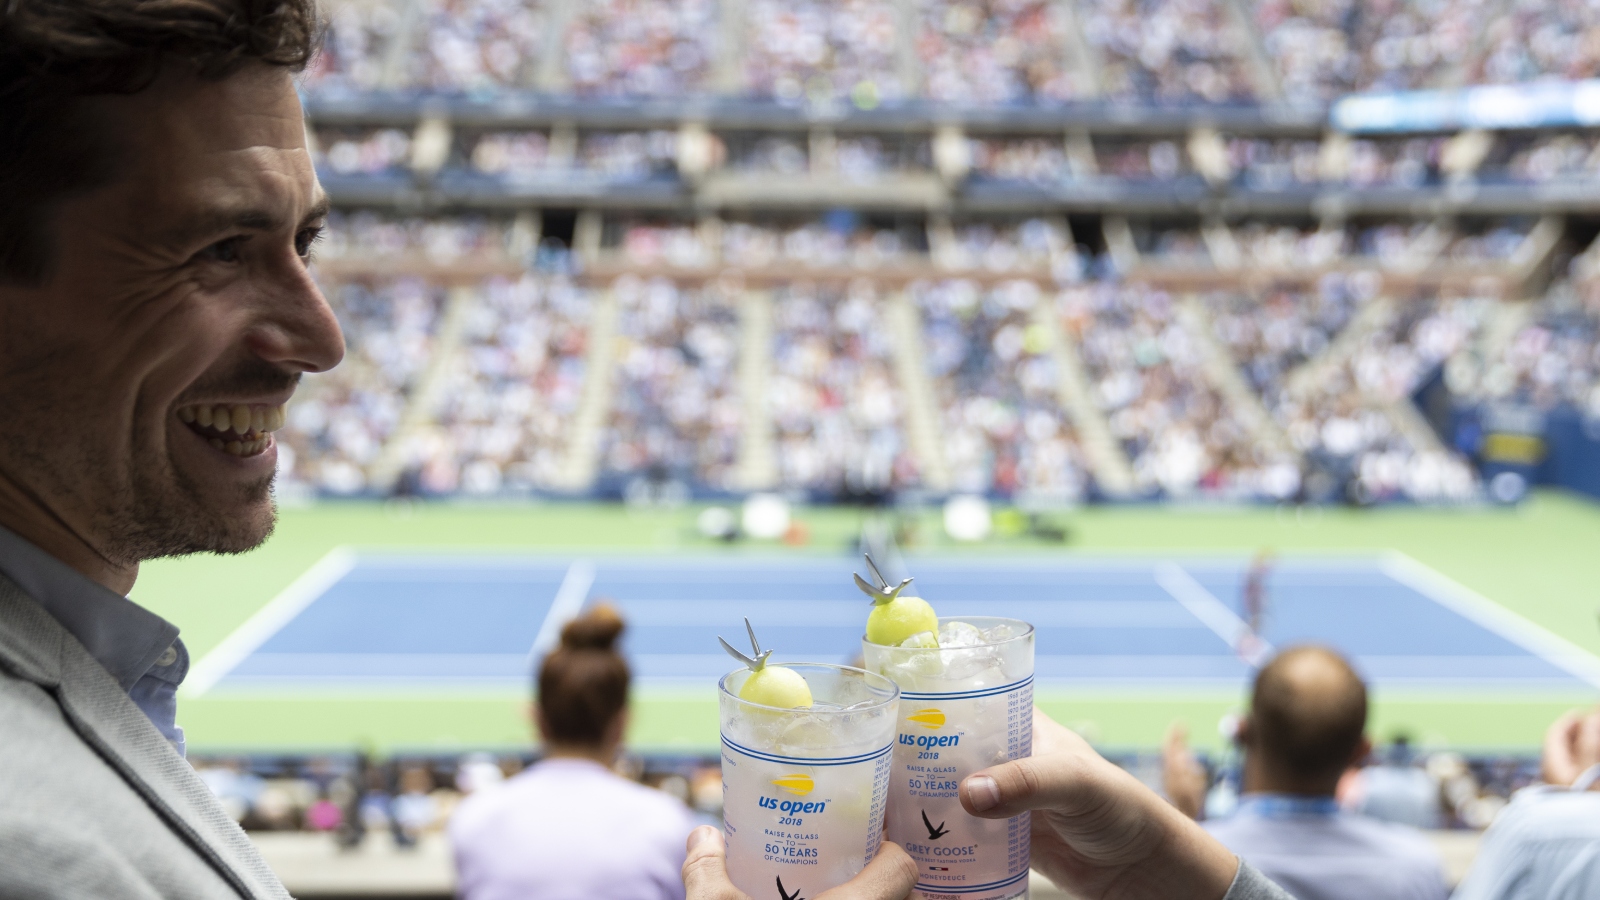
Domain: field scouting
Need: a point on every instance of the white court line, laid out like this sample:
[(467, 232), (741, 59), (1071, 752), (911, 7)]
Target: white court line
[(1213, 613), (570, 597), (268, 620), (1473, 606)]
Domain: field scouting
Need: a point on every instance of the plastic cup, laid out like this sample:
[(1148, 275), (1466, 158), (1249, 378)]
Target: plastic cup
[(962, 710), (803, 790)]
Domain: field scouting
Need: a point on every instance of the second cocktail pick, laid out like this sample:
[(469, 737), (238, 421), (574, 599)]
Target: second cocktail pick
[(896, 618), (768, 685), (880, 593)]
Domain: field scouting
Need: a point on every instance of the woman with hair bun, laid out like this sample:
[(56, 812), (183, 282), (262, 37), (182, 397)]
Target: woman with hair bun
[(568, 827)]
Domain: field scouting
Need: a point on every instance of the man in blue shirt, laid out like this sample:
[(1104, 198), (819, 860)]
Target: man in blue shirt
[(1306, 727), (1546, 844)]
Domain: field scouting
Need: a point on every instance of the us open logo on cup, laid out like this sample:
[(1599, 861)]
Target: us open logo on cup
[(798, 785)]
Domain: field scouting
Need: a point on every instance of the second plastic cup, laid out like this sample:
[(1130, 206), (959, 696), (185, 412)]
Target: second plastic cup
[(803, 790), (962, 709)]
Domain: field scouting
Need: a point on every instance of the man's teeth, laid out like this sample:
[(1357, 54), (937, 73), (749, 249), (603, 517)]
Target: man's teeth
[(241, 448), (239, 419)]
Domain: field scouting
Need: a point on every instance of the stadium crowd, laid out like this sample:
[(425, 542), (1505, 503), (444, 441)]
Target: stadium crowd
[(1179, 434), (339, 425), (676, 411), (1003, 429), (837, 410), (505, 403)]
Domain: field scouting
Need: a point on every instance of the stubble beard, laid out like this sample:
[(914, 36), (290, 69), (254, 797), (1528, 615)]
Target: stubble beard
[(167, 513)]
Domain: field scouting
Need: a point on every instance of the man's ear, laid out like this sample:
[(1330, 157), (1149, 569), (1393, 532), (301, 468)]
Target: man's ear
[(1363, 750), (1245, 732)]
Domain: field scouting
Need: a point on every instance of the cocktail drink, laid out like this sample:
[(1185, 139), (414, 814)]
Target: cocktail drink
[(803, 784), (966, 703)]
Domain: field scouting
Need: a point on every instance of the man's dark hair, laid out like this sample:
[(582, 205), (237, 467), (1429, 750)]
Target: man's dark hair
[(54, 53), (1308, 713)]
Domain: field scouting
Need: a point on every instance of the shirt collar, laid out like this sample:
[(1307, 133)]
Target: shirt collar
[(122, 636), (1288, 806)]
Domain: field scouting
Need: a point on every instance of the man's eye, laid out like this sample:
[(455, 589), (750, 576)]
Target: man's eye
[(305, 240), (226, 251)]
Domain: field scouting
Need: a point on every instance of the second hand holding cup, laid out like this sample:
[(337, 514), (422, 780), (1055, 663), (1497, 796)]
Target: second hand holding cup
[(966, 704), (806, 752)]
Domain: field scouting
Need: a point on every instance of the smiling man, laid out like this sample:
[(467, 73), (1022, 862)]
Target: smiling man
[(157, 208)]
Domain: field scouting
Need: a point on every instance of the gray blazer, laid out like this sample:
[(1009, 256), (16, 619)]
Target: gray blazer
[(93, 801)]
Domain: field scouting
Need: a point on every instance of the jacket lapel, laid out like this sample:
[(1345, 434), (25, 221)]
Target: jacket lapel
[(36, 648)]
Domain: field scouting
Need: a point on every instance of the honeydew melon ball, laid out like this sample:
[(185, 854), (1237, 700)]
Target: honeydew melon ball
[(890, 624), (776, 686)]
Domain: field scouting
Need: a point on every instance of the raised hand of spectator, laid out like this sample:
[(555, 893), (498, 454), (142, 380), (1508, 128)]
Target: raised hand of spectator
[(1571, 746), (890, 875), (1182, 776), (1098, 832)]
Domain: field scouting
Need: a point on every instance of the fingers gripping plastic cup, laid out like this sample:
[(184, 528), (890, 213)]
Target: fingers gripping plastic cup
[(965, 705), (803, 790)]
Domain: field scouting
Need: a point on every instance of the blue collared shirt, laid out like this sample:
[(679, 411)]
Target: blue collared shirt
[(138, 648), (1545, 845), (1318, 852)]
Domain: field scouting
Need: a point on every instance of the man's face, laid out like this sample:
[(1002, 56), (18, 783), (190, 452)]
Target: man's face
[(142, 380)]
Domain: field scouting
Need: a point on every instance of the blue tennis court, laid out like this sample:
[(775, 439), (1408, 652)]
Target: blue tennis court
[(373, 620)]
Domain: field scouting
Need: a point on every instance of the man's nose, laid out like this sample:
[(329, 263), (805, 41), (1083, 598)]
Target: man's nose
[(298, 329)]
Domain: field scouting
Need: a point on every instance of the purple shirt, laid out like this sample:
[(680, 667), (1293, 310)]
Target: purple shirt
[(569, 828)]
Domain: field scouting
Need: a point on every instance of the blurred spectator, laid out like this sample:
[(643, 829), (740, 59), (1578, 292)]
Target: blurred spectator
[(1037, 160), (380, 151), (1171, 245), (1311, 48), (1533, 40), (648, 241), (531, 155), (821, 50), (1395, 162), (1167, 51), (837, 409), (1268, 165), (994, 52), (1553, 360), (815, 244), (1488, 243), (641, 48), (788, 154), (1142, 160), (1540, 157), (1395, 790), (1306, 727), (358, 48), (479, 45), (378, 239), (676, 410), (1546, 843), (1002, 247), (996, 383), (568, 826), (1287, 248)]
